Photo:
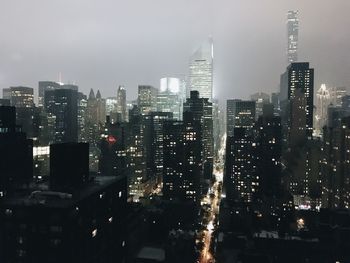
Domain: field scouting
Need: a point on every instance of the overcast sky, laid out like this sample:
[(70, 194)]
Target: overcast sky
[(101, 44)]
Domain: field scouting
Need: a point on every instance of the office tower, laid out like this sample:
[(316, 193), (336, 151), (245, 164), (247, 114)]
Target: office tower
[(182, 159), (22, 97), (137, 181), (69, 166), (147, 99), (111, 108), (335, 165), (202, 110), (323, 100), (169, 98), (275, 100), (239, 114), (293, 36), (121, 104), (217, 128), (61, 105), (269, 152), (41, 162), (201, 70), (113, 149), (240, 181), (297, 91), (16, 154), (153, 132), (51, 85), (82, 112), (260, 99), (101, 108)]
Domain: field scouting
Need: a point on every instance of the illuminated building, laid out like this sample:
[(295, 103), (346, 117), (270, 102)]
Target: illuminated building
[(269, 152), (111, 106), (182, 159), (113, 150), (240, 181), (260, 99), (169, 98), (153, 134), (41, 161), (323, 100), (82, 108), (121, 104), (202, 110), (239, 114), (201, 70), (62, 107), (51, 85), (147, 99), (293, 36), (297, 91)]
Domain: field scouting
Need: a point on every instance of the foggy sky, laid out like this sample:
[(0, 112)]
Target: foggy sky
[(101, 44)]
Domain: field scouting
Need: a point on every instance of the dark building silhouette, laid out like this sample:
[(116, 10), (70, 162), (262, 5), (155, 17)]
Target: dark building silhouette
[(69, 165), (296, 96), (113, 159), (269, 152), (202, 111), (61, 107), (16, 154)]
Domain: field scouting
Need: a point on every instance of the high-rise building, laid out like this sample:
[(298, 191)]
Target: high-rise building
[(269, 152), (51, 85), (169, 98), (121, 104), (82, 112), (201, 70), (240, 180), (293, 36), (147, 99), (153, 133), (182, 160), (297, 96), (22, 97), (239, 114), (323, 100), (260, 99), (202, 110), (113, 149), (16, 153), (111, 106), (62, 107)]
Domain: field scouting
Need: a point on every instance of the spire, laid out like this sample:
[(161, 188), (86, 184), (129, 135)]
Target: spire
[(92, 94), (98, 94)]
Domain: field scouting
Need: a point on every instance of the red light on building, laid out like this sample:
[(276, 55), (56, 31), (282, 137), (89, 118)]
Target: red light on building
[(111, 139)]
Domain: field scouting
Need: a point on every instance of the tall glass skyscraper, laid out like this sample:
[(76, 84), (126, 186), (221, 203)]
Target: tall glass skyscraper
[(292, 34), (201, 70)]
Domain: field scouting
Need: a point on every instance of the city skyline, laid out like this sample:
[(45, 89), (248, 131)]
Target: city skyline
[(114, 56)]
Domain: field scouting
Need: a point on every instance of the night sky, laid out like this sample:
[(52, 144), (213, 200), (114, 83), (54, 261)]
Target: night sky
[(101, 44)]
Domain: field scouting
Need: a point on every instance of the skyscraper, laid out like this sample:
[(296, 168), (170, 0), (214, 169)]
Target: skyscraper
[(292, 34), (323, 100), (260, 99), (62, 106), (239, 114), (169, 98), (202, 110), (121, 104), (297, 91), (147, 99), (201, 70)]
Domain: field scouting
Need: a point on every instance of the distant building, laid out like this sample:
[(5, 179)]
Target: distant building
[(293, 36), (260, 99), (147, 99), (169, 98), (239, 114), (201, 70), (323, 100), (61, 105), (121, 104)]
